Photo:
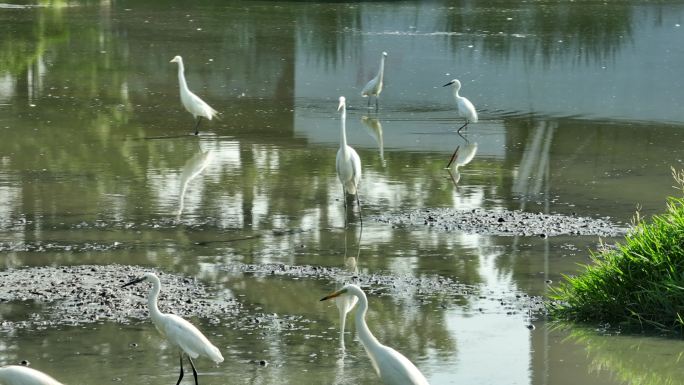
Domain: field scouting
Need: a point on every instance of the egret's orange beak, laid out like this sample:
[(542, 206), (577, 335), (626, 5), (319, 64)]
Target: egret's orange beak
[(335, 294)]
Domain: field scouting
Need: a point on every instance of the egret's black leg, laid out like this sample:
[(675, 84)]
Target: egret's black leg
[(464, 138), (460, 128), (453, 156), (199, 119), (358, 203), (194, 372), (344, 199), (376, 104), (181, 372), (369, 98)]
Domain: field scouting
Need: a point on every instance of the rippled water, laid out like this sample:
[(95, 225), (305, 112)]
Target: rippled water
[(580, 113)]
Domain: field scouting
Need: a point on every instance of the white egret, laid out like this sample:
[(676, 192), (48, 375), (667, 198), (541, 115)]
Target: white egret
[(374, 86), (21, 375), (392, 367), (348, 163), (178, 331), (192, 103), (465, 107)]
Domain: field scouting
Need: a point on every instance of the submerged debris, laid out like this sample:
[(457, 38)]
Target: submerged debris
[(503, 222)]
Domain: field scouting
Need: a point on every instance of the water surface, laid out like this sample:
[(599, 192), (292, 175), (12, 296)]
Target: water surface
[(579, 113)]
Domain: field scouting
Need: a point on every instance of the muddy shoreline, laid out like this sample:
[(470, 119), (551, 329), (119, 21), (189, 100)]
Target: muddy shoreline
[(77, 295), (502, 222)]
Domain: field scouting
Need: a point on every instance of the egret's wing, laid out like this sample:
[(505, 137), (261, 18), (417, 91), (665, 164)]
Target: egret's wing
[(21, 375), (189, 338), (356, 168), (395, 368), (368, 88), (467, 110), (197, 106)]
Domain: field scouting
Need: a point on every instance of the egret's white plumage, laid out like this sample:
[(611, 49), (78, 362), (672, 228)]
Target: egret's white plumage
[(192, 103), (347, 163), (178, 331), (21, 375), (392, 367), (465, 107), (374, 86)]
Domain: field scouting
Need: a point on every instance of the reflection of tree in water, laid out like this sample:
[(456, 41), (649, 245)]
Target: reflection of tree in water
[(578, 33), (325, 31), (634, 360)]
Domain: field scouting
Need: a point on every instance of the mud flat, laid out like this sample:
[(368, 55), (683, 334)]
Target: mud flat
[(74, 295), (503, 222)]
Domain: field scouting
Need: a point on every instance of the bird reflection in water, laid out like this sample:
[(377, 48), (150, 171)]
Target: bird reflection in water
[(462, 156), (191, 170), (351, 269), (374, 129)]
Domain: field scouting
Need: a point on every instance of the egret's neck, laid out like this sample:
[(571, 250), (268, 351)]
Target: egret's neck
[(382, 69), (152, 301), (343, 129), (181, 76), (456, 89), (367, 338)]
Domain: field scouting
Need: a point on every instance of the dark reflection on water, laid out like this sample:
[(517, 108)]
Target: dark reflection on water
[(565, 127)]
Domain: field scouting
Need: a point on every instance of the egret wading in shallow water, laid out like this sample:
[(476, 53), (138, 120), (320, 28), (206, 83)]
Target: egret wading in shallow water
[(192, 103), (348, 163), (465, 107), (374, 86), (392, 367), (181, 333), (21, 375)]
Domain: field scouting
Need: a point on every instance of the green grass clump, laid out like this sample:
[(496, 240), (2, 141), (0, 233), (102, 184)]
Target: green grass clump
[(640, 283)]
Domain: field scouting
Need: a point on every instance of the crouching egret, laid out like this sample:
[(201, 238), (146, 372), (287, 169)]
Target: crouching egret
[(392, 367), (21, 375), (465, 107), (374, 86), (178, 331), (348, 163), (192, 103)]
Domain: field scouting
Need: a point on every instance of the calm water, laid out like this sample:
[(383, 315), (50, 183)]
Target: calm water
[(580, 108)]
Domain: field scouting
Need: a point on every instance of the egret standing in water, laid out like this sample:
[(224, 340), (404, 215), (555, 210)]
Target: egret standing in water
[(196, 106), (374, 86), (21, 375), (392, 367), (465, 107), (181, 333), (348, 163)]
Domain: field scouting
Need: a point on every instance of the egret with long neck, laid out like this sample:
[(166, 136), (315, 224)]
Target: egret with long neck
[(192, 103), (347, 163), (392, 367), (374, 86), (181, 333)]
